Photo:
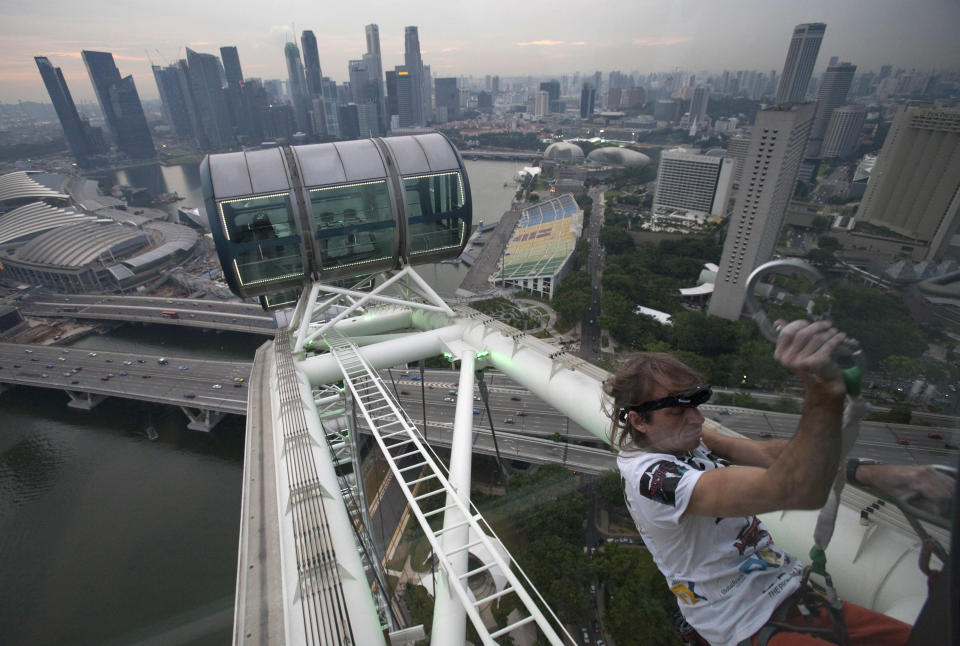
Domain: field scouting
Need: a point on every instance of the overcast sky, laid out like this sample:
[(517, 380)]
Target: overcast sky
[(506, 37)]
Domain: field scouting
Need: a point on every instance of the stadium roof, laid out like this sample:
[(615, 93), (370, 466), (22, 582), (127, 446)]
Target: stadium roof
[(23, 184), (37, 217), (79, 245), (544, 238), (619, 156)]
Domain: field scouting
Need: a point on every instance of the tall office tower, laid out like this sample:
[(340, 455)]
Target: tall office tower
[(597, 79), (297, 88), (666, 110), (376, 72), (427, 94), (311, 64), (698, 106), (738, 147), (393, 106), (541, 106), (408, 97), (833, 93), (635, 97), (614, 97), (588, 96), (413, 74), (447, 98), (552, 88), (231, 66), (120, 105), (801, 57), (914, 188), (210, 112), (843, 133), (495, 86), (73, 126), (777, 143), (172, 100), (833, 60), (692, 182), (330, 102)]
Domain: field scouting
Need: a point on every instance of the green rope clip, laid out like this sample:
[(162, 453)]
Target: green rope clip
[(818, 561), (851, 377)]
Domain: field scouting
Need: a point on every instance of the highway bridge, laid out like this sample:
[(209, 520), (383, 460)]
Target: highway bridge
[(215, 315), (501, 155), (205, 390)]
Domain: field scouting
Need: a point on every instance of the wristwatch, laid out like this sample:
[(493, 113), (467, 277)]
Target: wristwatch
[(852, 465)]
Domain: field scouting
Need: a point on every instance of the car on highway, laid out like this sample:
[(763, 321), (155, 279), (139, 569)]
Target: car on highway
[(104, 378), (48, 366), (509, 420), (521, 413), (515, 399), (128, 363), (123, 373), (75, 382), (415, 378), (449, 399), (189, 395), (182, 367), (44, 375), (28, 351), (766, 434), (146, 376), (239, 380), (903, 442), (476, 411), (91, 354), (61, 358), (934, 436), (404, 392), (217, 386)]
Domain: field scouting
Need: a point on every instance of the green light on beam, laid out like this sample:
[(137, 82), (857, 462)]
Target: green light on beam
[(310, 342), (448, 356), (481, 355)]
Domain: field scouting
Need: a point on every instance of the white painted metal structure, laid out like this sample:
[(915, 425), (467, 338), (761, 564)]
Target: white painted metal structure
[(873, 565)]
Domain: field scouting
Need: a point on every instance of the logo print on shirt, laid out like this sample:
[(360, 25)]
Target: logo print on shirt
[(762, 560), (751, 534), (660, 482), (685, 593)]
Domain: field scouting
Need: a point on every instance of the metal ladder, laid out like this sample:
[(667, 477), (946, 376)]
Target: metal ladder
[(400, 441)]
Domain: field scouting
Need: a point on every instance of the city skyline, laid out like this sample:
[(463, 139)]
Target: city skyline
[(692, 36)]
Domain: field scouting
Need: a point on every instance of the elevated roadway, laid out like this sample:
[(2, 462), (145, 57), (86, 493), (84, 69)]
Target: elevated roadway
[(216, 315), (204, 389)]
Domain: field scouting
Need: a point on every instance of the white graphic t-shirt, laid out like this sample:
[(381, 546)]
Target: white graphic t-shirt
[(726, 572)]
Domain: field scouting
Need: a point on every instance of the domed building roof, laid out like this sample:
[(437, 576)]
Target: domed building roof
[(563, 151), (619, 157)]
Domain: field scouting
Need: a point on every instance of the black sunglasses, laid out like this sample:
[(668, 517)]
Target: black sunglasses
[(692, 398)]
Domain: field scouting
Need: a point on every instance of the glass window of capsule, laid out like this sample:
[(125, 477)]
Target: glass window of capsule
[(265, 235), (433, 211)]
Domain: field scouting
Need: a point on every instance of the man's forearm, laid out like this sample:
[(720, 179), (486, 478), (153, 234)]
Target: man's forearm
[(807, 465)]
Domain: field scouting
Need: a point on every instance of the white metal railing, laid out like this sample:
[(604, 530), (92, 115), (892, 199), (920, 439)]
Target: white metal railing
[(413, 464)]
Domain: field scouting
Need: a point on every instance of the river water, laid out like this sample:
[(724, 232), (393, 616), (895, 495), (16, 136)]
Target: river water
[(109, 538)]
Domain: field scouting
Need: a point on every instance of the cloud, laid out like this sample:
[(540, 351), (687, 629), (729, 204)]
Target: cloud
[(659, 42), (579, 42), (543, 43), (448, 49)]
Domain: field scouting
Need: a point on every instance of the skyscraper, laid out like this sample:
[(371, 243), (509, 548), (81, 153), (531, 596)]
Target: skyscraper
[(448, 98), (698, 106), (552, 88), (413, 75), (231, 66), (801, 57), (73, 126), (588, 97), (692, 182), (211, 114), (541, 106), (914, 188), (173, 103), (843, 133), (777, 143), (120, 104), (833, 93), (408, 96), (297, 86), (375, 63)]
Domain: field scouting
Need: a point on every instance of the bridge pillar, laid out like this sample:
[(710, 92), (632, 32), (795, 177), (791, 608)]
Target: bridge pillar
[(84, 401), (202, 419)]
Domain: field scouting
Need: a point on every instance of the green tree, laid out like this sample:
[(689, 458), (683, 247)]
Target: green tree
[(609, 487), (880, 322)]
